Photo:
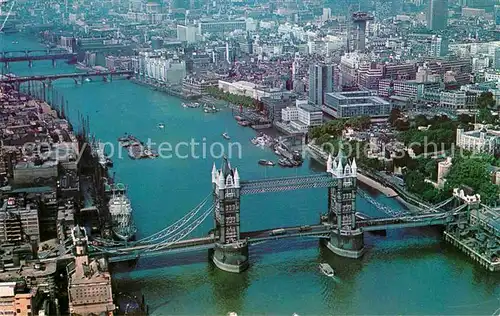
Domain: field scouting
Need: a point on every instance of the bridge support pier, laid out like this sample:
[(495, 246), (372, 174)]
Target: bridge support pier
[(231, 257), (30, 63), (349, 244)]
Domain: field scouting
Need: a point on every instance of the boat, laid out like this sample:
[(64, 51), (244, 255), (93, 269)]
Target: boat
[(15, 42), (226, 136), (120, 210), (135, 151), (148, 153), (209, 109), (264, 162), (244, 123), (98, 153), (326, 269), (161, 126), (109, 162), (87, 80), (191, 105), (284, 162)]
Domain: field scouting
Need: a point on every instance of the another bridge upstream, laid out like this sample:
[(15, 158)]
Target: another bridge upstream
[(78, 77), (341, 228), (8, 57)]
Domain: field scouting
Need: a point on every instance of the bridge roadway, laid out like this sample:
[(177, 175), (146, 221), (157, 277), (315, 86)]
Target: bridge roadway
[(287, 184), (189, 245), (38, 57), (69, 75), (312, 231)]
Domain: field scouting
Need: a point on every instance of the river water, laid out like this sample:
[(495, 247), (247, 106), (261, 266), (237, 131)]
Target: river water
[(410, 271)]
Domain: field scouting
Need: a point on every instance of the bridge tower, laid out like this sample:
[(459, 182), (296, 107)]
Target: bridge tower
[(230, 253), (346, 238)]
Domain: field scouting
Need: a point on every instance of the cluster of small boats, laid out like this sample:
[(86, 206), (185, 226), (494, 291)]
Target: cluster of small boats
[(206, 108), (262, 140), (192, 105), (136, 148), (288, 163), (241, 121), (288, 159)]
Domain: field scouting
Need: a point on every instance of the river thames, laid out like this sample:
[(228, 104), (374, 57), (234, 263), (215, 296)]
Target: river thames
[(410, 271)]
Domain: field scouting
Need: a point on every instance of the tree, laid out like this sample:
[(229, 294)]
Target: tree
[(401, 125), (465, 119), (486, 101), (485, 116), (421, 120), (394, 116), (474, 173)]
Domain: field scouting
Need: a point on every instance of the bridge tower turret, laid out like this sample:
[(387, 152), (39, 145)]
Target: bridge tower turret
[(230, 253), (346, 238)]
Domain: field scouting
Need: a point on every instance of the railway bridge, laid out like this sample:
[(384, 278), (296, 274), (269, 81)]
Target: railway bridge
[(341, 228)]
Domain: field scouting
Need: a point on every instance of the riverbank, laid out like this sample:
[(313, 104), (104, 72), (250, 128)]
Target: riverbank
[(170, 90), (376, 185), (370, 181)]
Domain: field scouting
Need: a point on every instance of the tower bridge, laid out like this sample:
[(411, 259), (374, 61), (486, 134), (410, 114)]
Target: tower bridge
[(341, 229)]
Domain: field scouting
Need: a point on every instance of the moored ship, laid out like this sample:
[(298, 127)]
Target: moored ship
[(120, 210), (98, 153)]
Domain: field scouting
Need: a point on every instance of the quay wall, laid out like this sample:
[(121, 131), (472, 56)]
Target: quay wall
[(376, 185), (163, 88)]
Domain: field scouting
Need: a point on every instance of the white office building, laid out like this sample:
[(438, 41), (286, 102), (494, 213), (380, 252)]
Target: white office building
[(187, 33), (163, 70), (302, 116)]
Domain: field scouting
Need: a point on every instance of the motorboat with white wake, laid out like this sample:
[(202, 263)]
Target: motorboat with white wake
[(327, 269)]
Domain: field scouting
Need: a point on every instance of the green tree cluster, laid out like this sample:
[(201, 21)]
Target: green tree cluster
[(440, 135), (473, 171), (233, 98), (334, 128), (416, 171), (486, 103)]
